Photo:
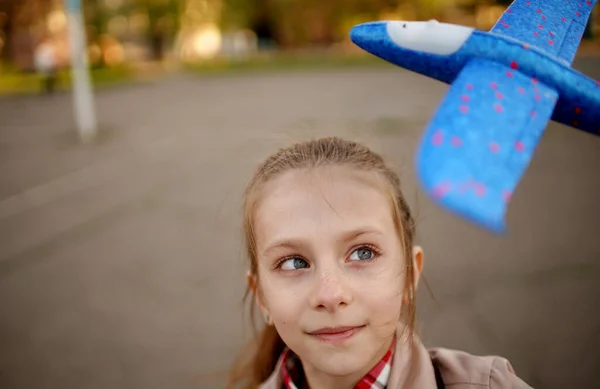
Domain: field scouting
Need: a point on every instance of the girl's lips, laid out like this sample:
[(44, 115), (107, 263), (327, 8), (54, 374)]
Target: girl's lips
[(335, 334)]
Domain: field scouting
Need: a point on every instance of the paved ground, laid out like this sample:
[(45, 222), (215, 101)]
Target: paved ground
[(120, 265)]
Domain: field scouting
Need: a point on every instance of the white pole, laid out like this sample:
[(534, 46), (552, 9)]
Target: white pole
[(83, 99)]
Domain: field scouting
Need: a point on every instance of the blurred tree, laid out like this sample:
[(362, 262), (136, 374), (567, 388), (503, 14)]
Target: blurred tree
[(16, 18), (297, 22)]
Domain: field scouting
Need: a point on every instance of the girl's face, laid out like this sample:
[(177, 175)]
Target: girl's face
[(331, 268)]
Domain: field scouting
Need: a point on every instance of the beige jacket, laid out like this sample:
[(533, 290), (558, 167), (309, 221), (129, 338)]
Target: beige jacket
[(459, 370)]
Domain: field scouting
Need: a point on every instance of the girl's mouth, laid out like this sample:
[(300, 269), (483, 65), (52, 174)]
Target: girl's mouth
[(336, 334)]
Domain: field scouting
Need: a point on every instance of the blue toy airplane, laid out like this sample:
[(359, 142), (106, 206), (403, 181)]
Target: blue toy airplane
[(506, 84)]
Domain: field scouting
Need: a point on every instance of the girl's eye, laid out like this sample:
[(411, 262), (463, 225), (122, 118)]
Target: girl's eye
[(293, 264), (362, 254)]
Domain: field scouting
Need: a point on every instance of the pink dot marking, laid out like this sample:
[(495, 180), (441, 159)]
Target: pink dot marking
[(521, 90), (533, 114), (438, 138), (480, 189), (577, 110), (534, 80), (536, 33), (551, 33), (464, 109), (456, 141), (525, 46), (499, 96), (506, 195), (539, 11), (505, 25), (513, 65), (537, 97), (528, 2), (519, 146), (588, 2), (541, 27), (544, 17), (509, 74), (510, 10), (550, 42), (440, 190), (578, 13), (564, 19), (465, 98), (469, 86), (493, 85), (498, 108), (494, 147)]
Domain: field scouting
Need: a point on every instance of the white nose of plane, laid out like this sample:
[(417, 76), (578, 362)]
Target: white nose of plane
[(430, 37)]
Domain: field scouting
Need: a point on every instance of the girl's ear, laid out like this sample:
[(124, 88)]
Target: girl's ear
[(253, 285), (417, 259)]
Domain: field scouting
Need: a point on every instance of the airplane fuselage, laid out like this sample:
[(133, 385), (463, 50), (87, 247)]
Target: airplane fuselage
[(578, 104)]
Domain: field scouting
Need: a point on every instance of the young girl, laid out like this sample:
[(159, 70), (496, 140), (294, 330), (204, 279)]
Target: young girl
[(334, 271)]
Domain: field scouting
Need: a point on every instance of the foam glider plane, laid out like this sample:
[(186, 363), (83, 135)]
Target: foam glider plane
[(506, 84)]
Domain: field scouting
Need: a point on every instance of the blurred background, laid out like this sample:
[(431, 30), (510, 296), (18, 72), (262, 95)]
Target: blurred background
[(121, 263)]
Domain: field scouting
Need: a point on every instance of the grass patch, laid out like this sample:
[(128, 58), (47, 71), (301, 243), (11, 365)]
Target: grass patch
[(18, 83)]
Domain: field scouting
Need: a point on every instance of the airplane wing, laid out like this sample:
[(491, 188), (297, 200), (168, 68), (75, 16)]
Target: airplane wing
[(482, 138), (554, 26)]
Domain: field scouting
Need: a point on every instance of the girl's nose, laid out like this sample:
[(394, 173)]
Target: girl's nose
[(330, 292)]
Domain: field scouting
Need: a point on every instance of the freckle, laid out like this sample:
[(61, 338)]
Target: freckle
[(494, 147), (498, 108), (551, 33), (465, 98), (469, 86), (456, 141), (536, 33), (499, 96), (550, 42), (533, 114), (577, 110), (541, 27), (537, 97), (493, 85), (534, 80), (526, 46), (464, 109), (521, 90), (513, 65), (578, 13)]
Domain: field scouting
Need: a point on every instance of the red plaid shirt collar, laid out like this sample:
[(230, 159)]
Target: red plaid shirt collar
[(292, 372)]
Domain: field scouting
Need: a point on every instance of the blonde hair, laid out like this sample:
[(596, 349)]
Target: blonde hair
[(258, 360)]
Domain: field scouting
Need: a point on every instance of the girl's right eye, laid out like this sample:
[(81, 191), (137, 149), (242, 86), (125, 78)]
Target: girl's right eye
[(293, 264)]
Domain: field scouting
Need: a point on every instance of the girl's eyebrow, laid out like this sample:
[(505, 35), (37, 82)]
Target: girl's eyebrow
[(294, 243)]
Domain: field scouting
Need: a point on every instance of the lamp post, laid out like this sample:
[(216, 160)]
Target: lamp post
[(83, 99)]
